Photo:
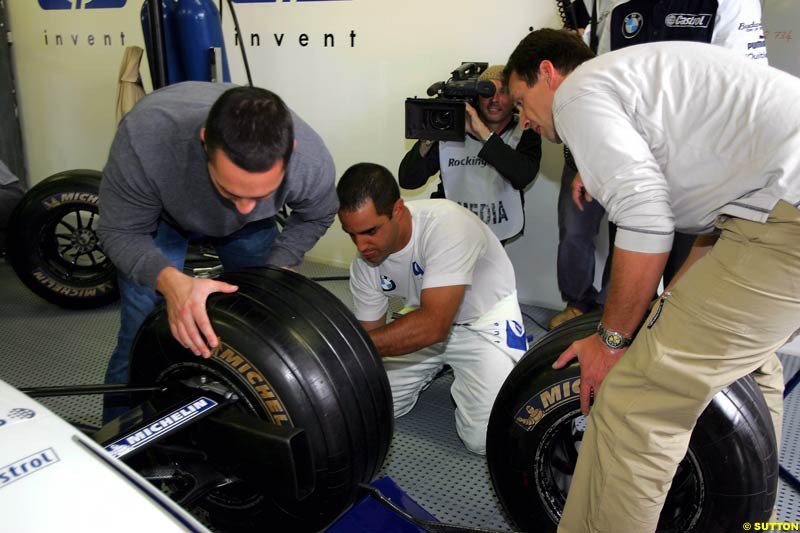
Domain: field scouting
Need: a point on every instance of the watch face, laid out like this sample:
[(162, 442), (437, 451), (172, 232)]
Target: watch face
[(614, 340)]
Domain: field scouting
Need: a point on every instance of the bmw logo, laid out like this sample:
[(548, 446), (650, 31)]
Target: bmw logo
[(631, 25), (387, 284)]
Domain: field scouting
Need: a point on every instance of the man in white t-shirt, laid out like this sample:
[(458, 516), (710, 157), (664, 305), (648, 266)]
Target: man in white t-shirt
[(671, 136), (447, 265)]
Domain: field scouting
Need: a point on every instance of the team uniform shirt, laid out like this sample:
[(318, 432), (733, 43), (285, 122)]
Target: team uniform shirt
[(669, 135), (732, 24), (448, 246), (158, 170), (470, 181)]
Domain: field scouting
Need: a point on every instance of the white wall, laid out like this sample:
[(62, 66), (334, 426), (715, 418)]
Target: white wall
[(782, 32), (67, 92), (352, 93), (781, 20)]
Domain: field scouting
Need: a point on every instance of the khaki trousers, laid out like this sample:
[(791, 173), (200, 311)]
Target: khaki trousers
[(725, 319)]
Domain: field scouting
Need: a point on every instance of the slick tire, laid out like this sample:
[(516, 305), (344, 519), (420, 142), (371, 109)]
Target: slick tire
[(728, 477), (297, 357), (52, 242)]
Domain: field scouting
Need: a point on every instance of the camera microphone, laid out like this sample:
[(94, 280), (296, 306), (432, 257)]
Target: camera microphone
[(436, 88)]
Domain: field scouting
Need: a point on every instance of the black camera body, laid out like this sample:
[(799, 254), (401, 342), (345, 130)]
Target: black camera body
[(442, 117)]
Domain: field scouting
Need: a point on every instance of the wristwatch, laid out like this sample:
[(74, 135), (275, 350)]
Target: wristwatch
[(613, 339)]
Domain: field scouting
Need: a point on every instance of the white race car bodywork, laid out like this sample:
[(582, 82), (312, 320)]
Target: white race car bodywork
[(54, 478)]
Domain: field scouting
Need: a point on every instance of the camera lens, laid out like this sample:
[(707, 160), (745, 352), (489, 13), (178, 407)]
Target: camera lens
[(441, 120)]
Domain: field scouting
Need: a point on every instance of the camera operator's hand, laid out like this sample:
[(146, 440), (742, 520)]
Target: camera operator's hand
[(425, 146), (474, 125), (579, 193)]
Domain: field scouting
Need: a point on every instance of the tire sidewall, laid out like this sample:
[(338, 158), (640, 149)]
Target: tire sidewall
[(279, 361), (728, 465), (31, 242)]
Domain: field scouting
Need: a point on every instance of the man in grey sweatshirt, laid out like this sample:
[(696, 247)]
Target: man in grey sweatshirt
[(218, 161)]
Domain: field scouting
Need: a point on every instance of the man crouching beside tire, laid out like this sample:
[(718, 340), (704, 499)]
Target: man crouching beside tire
[(448, 265), (206, 160), (671, 136)]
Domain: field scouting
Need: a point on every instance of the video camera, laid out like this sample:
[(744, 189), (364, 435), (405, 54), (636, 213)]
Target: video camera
[(442, 117)]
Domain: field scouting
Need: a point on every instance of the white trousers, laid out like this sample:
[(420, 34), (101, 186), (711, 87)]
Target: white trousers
[(481, 355)]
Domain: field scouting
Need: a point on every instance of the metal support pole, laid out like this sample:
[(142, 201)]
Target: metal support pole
[(156, 18)]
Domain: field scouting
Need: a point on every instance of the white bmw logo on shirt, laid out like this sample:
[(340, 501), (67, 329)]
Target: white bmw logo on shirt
[(631, 25), (387, 284)]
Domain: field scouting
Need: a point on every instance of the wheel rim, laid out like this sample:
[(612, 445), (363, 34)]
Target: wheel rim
[(233, 494), (70, 247), (554, 465), (555, 461), (685, 499)]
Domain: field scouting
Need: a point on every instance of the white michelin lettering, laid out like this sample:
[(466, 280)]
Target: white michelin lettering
[(132, 441)]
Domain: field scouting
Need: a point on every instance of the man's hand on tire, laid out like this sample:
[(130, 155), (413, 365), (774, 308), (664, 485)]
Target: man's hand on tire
[(186, 308)]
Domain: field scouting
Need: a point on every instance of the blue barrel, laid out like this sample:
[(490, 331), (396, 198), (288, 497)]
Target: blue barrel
[(175, 72), (199, 29), (191, 29)]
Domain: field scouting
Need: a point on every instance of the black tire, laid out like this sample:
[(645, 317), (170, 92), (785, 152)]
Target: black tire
[(52, 242), (728, 477), (326, 376)]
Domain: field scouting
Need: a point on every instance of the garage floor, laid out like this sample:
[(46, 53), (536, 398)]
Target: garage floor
[(43, 345)]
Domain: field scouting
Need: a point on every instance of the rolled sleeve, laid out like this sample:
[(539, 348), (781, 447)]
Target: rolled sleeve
[(619, 169)]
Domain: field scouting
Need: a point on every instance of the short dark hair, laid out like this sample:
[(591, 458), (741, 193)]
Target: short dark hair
[(252, 126), (563, 48), (368, 181)]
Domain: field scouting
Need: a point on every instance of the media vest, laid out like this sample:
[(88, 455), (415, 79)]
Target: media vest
[(478, 186)]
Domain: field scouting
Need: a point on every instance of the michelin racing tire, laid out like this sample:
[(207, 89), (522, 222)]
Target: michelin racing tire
[(297, 357), (728, 477), (52, 242)]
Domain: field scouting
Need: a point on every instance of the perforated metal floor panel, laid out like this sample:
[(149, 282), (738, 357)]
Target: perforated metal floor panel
[(788, 504), (43, 345)]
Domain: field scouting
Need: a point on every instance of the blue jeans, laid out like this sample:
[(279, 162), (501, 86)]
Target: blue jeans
[(250, 246), (576, 262), (576, 232)]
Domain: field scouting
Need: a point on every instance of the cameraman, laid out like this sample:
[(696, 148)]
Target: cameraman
[(488, 170)]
